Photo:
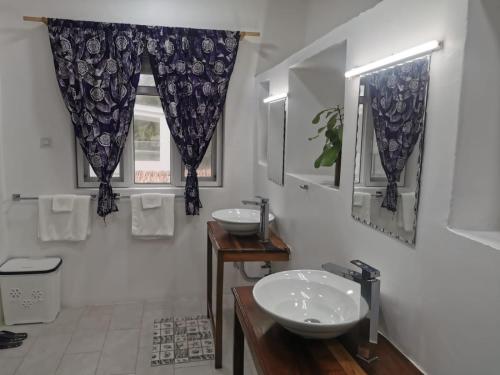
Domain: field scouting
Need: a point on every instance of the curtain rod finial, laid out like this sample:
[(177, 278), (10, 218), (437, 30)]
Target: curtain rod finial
[(36, 19)]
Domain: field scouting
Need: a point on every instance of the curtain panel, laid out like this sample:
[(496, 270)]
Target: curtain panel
[(398, 104), (97, 67), (192, 69)]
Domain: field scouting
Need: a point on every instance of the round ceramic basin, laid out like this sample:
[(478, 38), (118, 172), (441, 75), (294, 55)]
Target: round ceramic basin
[(239, 221), (310, 303)]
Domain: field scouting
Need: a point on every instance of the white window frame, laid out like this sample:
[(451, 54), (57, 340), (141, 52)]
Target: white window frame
[(127, 165), (368, 140)]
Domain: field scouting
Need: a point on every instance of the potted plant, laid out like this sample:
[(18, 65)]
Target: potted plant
[(330, 123)]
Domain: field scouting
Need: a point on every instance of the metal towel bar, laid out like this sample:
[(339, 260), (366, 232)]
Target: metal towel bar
[(16, 197)]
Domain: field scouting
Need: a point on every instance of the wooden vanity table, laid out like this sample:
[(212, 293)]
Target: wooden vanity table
[(229, 248), (277, 351)]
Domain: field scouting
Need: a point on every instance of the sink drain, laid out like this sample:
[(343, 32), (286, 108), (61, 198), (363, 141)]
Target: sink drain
[(312, 320)]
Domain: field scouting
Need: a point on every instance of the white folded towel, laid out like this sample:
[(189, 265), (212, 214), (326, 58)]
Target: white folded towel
[(362, 203), (148, 223), (408, 206), (151, 200), (63, 202), (71, 225)]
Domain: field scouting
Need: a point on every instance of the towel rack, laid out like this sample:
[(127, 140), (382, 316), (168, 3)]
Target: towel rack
[(379, 194), (16, 197)]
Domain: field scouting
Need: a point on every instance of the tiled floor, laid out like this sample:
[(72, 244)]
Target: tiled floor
[(110, 340)]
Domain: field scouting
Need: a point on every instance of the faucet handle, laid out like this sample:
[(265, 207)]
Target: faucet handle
[(368, 272), (264, 200)]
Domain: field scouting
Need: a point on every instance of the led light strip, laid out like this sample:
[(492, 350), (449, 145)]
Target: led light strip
[(391, 60), (275, 98)]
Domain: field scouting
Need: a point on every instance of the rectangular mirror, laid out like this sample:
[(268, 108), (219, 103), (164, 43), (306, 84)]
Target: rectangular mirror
[(389, 145), (276, 141)]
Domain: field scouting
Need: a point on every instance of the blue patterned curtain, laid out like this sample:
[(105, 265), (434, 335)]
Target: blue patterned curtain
[(192, 69), (97, 67), (398, 97)]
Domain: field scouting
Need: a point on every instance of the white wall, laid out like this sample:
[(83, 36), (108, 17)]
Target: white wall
[(314, 85), (440, 300), (111, 266), (323, 16), (289, 25), (475, 195), (3, 247)]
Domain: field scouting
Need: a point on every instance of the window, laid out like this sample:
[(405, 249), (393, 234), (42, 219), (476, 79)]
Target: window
[(150, 157), (369, 170)]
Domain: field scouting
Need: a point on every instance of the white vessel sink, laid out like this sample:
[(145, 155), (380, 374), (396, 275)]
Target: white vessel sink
[(239, 221), (312, 304)]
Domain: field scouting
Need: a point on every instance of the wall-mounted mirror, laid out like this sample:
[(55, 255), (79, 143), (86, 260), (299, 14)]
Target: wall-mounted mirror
[(276, 141), (389, 146)]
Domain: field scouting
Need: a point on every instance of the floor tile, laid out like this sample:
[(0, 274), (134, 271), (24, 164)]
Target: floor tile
[(9, 366), (79, 364), (113, 352), (66, 322), (127, 316), (184, 306), (144, 365), (33, 330), (96, 318), (85, 341), (100, 309), (45, 355), (164, 307), (119, 354), (20, 351), (146, 334), (196, 370)]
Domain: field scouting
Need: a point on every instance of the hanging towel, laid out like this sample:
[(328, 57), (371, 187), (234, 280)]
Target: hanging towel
[(63, 226), (408, 205), (151, 200), (63, 202), (362, 203), (157, 222)]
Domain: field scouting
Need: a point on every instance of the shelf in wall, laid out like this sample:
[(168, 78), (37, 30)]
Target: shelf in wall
[(488, 238), (323, 181)]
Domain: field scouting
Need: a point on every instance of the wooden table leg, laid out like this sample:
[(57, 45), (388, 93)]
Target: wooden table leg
[(218, 314), (239, 345), (209, 276)]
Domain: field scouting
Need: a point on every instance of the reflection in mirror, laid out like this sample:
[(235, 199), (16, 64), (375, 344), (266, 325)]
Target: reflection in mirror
[(389, 145), (276, 141)]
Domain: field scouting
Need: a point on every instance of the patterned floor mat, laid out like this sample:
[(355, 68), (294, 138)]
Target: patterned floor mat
[(181, 340)]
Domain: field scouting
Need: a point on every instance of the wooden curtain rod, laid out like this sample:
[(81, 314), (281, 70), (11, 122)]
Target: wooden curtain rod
[(45, 21)]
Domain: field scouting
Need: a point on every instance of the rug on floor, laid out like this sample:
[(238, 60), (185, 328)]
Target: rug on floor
[(181, 340)]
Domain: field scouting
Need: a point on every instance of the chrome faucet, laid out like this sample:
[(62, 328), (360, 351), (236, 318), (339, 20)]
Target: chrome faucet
[(263, 203), (370, 291)]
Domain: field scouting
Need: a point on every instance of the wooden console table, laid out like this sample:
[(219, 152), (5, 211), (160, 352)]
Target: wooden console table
[(230, 248), (277, 351)]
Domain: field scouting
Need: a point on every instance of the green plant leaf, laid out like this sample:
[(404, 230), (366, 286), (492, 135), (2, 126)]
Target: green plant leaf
[(320, 130), (332, 122), (316, 118), (327, 158), (334, 136)]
